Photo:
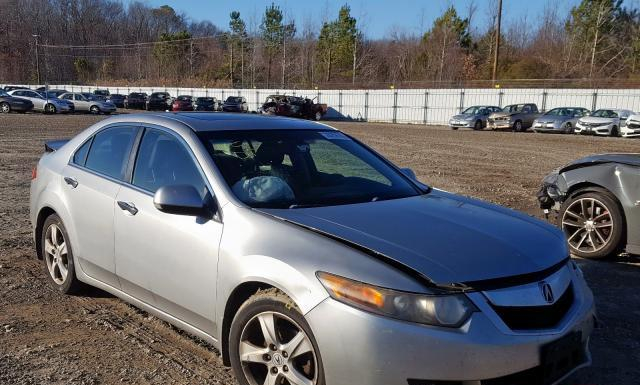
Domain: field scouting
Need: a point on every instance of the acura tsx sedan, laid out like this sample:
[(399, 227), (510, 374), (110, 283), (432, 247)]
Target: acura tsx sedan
[(305, 257)]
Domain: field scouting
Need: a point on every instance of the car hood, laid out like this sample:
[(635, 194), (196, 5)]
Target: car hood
[(596, 119), (463, 116), (553, 118), (445, 237), (630, 159), (501, 114)]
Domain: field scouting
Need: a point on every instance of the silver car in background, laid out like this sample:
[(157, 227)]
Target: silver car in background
[(632, 127), (305, 257), (87, 102), (559, 120), (603, 122), (473, 117), (42, 102)]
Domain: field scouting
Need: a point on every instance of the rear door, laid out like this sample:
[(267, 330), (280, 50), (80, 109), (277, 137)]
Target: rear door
[(169, 261), (80, 102), (91, 181)]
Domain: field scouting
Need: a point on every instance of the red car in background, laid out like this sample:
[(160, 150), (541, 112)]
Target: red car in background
[(182, 103)]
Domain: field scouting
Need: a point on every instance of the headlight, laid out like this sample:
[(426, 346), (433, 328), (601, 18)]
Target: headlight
[(449, 310), (580, 122)]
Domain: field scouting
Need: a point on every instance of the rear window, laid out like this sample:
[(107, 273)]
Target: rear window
[(110, 150)]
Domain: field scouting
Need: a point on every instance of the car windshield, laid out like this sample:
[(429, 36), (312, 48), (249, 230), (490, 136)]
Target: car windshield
[(205, 100), (234, 99), (475, 110), (4, 93), (302, 168), (159, 95), (562, 112), (513, 108), (184, 98), (605, 114)]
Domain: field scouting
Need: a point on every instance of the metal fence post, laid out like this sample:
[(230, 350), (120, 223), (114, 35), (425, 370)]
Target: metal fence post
[(500, 95), (340, 101), (366, 105), (257, 100), (594, 100), (426, 107), (461, 101), (222, 94), (544, 100), (395, 106)]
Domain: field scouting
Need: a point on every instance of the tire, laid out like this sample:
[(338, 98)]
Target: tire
[(478, 125), (517, 126), (5, 108), (593, 223), (272, 307), (614, 132), (317, 116), (49, 109), (454, 128), (57, 255), (94, 110), (568, 128)]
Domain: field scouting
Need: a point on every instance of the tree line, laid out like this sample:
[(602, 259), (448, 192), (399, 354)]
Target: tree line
[(106, 41)]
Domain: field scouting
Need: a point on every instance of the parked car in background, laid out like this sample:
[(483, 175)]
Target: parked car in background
[(300, 254), (136, 100), (206, 104), (11, 88), (603, 122), (55, 95), (473, 117), (632, 127), (10, 103), (87, 102), (102, 93), (235, 104), (182, 103), (293, 107), (517, 117), (559, 120), (597, 202), (41, 102), (159, 101), (118, 100), (56, 92)]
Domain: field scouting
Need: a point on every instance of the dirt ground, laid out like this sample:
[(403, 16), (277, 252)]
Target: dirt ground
[(46, 337)]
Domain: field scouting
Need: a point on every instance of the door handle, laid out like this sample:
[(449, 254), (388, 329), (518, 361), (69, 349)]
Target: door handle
[(130, 207), (71, 181)]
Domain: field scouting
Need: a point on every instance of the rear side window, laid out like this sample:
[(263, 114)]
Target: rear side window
[(110, 151), (163, 161), (80, 157)]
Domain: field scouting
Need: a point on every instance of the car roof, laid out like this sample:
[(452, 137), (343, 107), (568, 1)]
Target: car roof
[(207, 121)]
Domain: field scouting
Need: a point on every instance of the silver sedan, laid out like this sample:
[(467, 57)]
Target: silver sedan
[(305, 257), (88, 102), (559, 120)]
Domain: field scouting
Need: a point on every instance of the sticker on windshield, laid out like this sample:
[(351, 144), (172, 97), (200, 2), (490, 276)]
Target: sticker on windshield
[(334, 135)]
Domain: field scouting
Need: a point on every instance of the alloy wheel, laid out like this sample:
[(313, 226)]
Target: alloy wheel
[(5, 108), (56, 255), (274, 349), (588, 225)]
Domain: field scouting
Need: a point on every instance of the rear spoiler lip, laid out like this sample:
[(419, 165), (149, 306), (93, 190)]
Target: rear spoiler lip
[(54, 145)]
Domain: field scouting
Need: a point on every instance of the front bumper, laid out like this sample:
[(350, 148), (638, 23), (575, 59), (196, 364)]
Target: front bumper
[(499, 124), (631, 130), (362, 348), (461, 123), (597, 130), (548, 128)]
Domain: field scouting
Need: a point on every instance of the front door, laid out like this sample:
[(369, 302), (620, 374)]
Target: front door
[(168, 261)]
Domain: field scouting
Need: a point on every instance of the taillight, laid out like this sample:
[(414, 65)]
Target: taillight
[(34, 173)]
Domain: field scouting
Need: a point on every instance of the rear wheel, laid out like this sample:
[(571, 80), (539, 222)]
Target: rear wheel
[(568, 128), (593, 224), (58, 256), (517, 126), (5, 108), (271, 343), (318, 115)]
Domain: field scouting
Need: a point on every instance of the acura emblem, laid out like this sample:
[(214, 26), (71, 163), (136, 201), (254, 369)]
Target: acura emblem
[(547, 292)]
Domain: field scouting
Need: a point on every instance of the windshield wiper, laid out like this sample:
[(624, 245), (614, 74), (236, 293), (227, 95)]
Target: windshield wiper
[(305, 205)]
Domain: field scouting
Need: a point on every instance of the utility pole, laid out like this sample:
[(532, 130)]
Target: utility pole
[(353, 71), (496, 52), (37, 58)]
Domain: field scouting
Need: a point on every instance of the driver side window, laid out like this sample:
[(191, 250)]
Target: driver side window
[(162, 161)]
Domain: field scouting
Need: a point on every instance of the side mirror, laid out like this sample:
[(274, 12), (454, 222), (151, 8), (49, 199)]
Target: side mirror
[(409, 172), (180, 200)]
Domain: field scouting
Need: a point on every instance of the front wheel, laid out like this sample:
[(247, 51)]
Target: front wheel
[(5, 108), (50, 109), (94, 110), (58, 256), (318, 115), (271, 343), (517, 126), (478, 125), (593, 224), (614, 132), (568, 128)]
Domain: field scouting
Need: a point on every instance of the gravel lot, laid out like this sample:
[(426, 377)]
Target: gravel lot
[(46, 337)]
